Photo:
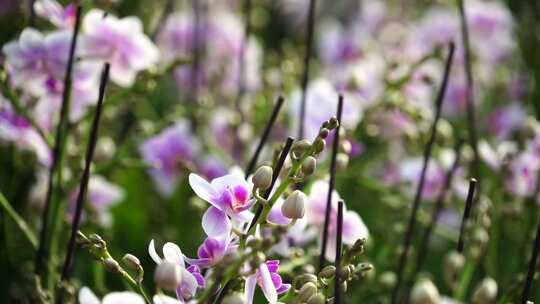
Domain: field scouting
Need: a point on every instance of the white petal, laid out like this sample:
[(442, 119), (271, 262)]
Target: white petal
[(125, 297), (215, 222), (163, 299), (153, 254), (249, 289), (86, 296), (172, 253), (267, 287), (202, 188)]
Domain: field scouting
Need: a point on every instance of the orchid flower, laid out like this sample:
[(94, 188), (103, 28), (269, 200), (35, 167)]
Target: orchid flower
[(86, 296), (52, 11), (191, 276), (229, 196), (268, 279), (213, 250), (120, 42), (168, 153), (353, 226)]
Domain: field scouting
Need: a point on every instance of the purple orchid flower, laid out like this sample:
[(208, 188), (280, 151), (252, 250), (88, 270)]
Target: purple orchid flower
[(52, 11), (523, 172), (269, 281), (168, 152), (353, 226), (213, 250), (410, 173), (229, 196), (505, 120), (121, 42), (16, 129), (191, 276)]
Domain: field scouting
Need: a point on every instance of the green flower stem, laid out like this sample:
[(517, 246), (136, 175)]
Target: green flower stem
[(6, 206), (464, 282)]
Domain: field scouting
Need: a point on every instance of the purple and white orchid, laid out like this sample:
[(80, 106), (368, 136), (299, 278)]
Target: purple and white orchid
[(212, 250), (120, 42), (53, 11), (191, 276), (268, 279), (229, 195)]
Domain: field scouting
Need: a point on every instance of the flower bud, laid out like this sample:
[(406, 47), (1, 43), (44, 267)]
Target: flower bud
[(112, 265), (318, 145), (453, 264), (425, 292), (300, 147), (346, 147), (293, 207), (307, 291), (486, 292), (262, 178), (328, 272), (97, 240), (333, 123), (317, 299), (388, 279), (233, 298), (303, 279), (323, 133), (309, 165), (168, 275), (342, 160), (131, 262)]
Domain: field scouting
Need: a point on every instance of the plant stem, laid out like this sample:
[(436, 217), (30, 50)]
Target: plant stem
[(21, 223), (331, 182), (55, 171), (427, 155)]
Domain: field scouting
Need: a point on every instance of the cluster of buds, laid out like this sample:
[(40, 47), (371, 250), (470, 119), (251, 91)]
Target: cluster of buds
[(477, 234), (97, 248)]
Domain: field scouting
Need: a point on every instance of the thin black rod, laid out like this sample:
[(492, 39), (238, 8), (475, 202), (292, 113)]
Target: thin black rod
[(427, 155), (307, 57), (32, 13), (466, 214), (532, 268), (266, 133), (439, 204), (58, 148), (195, 65), (242, 55), (335, 148), (471, 116), (86, 173), (275, 175), (337, 280)]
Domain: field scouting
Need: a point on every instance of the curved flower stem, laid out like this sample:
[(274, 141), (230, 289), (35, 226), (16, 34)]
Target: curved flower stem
[(21, 223)]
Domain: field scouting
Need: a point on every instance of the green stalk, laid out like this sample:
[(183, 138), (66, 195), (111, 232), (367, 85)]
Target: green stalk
[(6, 206), (464, 282)]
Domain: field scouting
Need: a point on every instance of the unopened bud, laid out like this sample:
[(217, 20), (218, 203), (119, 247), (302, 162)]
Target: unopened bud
[(262, 178), (300, 147), (328, 272), (293, 207), (307, 291), (131, 262), (317, 299), (333, 123), (233, 298), (346, 147), (388, 279), (486, 292), (453, 264), (323, 133), (303, 279), (318, 145), (112, 265), (309, 165), (342, 160), (425, 292), (168, 275)]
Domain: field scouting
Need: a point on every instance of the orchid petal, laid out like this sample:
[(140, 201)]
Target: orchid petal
[(204, 189), (215, 222), (172, 253), (276, 216), (86, 296), (163, 299), (267, 284), (124, 297), (153, 254), (249, 289), (353, 228)]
